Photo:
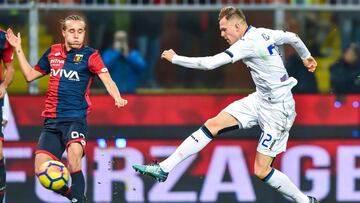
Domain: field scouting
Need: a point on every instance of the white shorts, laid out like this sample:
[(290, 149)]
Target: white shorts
[(274, 118)]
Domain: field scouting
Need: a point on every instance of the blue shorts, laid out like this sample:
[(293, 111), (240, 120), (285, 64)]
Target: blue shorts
[(59, 133)]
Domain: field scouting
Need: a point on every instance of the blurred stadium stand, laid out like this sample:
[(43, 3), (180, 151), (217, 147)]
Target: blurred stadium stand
[(104, 3), (323, 152)]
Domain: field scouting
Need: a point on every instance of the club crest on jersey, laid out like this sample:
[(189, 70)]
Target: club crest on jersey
[(78, 58), (265, 36)]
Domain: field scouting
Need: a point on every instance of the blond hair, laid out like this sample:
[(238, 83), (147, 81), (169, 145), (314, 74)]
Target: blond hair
[(71, 17), (230, 12)]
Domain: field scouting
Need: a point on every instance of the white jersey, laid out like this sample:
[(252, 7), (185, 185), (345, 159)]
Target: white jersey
[(258, 50)]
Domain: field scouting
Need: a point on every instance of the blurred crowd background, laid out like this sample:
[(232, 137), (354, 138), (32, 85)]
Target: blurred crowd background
[(331, 30)]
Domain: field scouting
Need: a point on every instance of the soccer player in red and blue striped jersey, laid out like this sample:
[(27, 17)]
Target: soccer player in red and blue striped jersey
[(72, 67), (6, 57)]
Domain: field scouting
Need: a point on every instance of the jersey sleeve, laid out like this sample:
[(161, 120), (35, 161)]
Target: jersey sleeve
[(43, 65), (281, 37), (241, 49), (8, 54), (96, 64)]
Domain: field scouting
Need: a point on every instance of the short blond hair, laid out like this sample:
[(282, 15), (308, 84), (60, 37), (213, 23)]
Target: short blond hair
[(230, 12), (71, 17)]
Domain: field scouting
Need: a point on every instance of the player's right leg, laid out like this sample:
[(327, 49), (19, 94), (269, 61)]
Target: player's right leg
[(50, 147), (41, 158), (191, 145)]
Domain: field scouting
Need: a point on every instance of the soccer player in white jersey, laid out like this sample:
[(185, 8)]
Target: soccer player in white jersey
[(271, 106)]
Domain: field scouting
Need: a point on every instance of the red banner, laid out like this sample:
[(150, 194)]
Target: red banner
[(318, 167), (189, 109)]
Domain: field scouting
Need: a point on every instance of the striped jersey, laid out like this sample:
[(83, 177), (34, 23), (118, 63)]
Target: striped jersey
[(71, 74)]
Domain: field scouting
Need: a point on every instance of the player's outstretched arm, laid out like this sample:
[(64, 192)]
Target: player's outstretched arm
[(202, 63), (30, 74), (112, 89)]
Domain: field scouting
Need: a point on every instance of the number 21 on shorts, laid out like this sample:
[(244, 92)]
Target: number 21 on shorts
[(266, 140)]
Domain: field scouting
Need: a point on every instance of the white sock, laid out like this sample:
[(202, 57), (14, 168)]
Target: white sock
[(191, 145), (280, 182)]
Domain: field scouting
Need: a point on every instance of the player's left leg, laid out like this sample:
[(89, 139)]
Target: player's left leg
[(75, 152), (190, 146), (276, 121), (239, 114), (74, 132)]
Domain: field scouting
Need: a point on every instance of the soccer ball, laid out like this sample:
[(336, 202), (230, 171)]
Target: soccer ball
[(53, 175)]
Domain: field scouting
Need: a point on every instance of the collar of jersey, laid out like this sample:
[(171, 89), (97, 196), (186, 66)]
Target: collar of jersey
[(247, 29), (71, 50)]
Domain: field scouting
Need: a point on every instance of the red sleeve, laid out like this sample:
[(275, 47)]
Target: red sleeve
[(96, 64), (7, 55), (43, 65)]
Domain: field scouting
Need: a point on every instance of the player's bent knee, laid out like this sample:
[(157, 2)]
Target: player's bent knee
[(39, 160), (213, 125)]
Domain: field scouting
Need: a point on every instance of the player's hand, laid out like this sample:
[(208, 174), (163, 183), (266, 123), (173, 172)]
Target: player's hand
[(120, 102), (168, 55), (310, 63), (2, 91), (13, 40)]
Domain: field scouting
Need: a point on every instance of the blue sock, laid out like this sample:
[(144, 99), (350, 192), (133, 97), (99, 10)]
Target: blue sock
[(78, 186)]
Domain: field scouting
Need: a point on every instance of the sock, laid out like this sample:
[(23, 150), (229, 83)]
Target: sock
[(2, 179), (280, 182), (65, 191), (78, 186), (191, 145)]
